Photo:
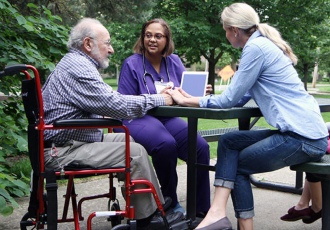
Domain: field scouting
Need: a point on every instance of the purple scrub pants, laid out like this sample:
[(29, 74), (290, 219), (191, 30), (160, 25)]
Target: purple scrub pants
[(165, 140)]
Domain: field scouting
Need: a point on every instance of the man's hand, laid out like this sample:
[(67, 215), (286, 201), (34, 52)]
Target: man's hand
[(178, 95), (168, 99)]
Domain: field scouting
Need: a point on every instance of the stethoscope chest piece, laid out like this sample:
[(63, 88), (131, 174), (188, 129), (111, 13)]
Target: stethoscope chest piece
[(159, 85)]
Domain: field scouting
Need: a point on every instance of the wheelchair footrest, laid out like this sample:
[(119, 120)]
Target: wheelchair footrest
[(182, 225)]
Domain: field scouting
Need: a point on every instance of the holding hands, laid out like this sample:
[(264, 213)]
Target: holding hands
[(182, 98), (168, 98)]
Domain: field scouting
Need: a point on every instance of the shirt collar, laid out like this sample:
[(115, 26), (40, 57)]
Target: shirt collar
[(73, 50), (254, 35)]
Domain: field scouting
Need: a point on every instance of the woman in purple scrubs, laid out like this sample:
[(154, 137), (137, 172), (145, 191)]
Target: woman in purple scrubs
[(152, 68)]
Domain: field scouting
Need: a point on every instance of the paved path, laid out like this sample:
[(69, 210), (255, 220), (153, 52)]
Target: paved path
[(269, 205)]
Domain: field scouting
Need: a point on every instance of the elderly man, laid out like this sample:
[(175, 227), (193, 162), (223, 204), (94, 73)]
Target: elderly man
[(74, 90)]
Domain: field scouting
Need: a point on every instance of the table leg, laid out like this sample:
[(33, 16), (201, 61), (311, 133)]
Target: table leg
[(244, 123), (191, 168)]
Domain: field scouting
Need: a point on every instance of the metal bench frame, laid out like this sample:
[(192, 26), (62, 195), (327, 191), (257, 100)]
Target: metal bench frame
[(322, 169)]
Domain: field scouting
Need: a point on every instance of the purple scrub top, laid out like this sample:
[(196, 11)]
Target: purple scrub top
[(131, 81)]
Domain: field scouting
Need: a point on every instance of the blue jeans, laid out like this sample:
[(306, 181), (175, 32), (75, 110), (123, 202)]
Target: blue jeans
[(242, 153)]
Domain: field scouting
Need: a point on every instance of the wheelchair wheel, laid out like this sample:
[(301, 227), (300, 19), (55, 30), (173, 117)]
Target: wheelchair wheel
[(122, 227), (28, 222), (115, 220)]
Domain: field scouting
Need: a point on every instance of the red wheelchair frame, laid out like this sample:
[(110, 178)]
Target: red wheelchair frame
[(45, 212)]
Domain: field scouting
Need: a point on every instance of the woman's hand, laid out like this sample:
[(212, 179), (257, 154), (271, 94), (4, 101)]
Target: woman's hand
[(177, 95), (209, 89), (182, 98)]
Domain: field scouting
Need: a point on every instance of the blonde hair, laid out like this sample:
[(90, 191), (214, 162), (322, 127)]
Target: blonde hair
[(169, 47), (244, 17)]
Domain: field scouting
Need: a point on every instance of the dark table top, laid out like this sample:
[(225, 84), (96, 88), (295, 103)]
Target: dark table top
[(249, 110)]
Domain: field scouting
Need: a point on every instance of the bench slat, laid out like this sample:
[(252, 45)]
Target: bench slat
[(213, 134), (320, 167)]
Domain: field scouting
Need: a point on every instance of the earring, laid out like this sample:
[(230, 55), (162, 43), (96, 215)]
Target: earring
[(235, 35)]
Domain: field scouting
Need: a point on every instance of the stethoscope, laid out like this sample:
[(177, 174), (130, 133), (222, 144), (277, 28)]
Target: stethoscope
[(146, 74)]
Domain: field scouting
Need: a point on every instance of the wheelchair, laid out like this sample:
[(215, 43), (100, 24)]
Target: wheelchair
[(43, 205)]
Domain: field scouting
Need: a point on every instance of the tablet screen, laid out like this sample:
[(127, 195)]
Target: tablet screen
[(194, 83)]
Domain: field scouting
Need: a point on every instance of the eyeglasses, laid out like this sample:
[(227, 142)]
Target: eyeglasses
[(108, 42), (156, 36)]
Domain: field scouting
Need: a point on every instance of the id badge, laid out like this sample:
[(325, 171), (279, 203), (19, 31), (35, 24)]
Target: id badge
[(162, 85)]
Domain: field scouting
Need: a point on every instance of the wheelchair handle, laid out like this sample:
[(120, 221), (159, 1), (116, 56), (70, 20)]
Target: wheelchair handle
[(14, 69)]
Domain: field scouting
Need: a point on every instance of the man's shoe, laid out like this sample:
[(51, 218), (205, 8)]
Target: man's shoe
[(167, 203), (294, 215), (157, 221), (179, 208), (314, 216)]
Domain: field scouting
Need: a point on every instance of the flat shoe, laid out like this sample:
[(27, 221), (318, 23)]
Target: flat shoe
[(222, 224), (294, 215), (314, 216)]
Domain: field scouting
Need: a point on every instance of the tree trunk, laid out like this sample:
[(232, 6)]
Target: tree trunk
[(305, 75), (212, 74)]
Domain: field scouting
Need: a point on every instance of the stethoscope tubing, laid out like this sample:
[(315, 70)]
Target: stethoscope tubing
[(145, 73)]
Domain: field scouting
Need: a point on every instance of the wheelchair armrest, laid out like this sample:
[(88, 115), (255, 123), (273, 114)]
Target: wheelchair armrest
[(87, 122), (11, 70)]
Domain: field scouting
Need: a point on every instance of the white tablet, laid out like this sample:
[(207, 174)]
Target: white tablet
[(194, 83)]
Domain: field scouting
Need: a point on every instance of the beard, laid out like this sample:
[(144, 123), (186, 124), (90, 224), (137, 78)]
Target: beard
[(103, 61)]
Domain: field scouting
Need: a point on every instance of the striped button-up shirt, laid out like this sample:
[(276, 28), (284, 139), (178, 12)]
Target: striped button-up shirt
[(76, 90)]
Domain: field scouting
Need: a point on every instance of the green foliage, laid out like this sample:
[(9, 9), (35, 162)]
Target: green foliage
[(303, 24), (39, 40), (123, 38), (19, 165), (197, 30), (12, 142)]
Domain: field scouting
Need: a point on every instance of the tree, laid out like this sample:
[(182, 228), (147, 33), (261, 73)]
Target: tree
[(106, 11), (198, 32), (324, 49), (299, 23)]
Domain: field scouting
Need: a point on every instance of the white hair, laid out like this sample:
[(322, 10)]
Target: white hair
[(84, 28)]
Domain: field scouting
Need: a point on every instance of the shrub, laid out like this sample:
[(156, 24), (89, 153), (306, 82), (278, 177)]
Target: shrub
[(37, 39)]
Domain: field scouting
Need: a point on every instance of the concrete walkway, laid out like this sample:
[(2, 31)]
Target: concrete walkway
[(269, 205)]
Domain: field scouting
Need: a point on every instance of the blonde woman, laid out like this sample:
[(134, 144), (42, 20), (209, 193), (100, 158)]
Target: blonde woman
[(267, 73)]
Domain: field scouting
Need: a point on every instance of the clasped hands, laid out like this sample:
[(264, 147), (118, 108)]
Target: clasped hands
[(180, 97)]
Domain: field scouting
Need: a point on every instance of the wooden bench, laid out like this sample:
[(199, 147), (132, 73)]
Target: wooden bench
[(322, 169)]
